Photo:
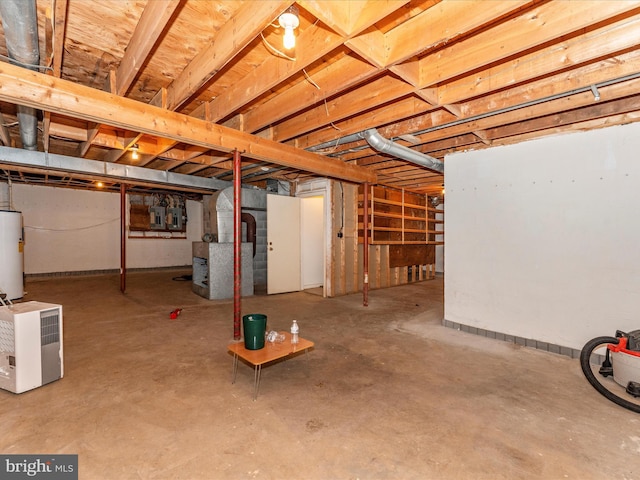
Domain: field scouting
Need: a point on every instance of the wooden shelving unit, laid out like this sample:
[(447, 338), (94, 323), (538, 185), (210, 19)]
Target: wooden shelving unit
[(398, 217), (404, 230)]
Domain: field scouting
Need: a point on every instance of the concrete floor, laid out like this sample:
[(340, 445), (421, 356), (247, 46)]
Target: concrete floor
[(387, 393)]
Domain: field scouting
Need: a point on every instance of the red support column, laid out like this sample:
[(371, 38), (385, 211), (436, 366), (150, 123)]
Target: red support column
[(123, 237), (365, 246), (237, 244)]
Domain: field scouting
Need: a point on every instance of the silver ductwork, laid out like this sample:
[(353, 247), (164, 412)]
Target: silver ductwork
[(221, 210), (20, 24), (384, 145)]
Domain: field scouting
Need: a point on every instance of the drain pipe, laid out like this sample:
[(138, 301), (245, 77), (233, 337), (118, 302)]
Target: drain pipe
[(20, 25)]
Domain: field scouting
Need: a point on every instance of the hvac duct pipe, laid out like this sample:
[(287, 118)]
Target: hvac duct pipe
[(334, 143), (20, 26), (384, 145), (250, 220), (365, 246), (237, 244), (123, 237)]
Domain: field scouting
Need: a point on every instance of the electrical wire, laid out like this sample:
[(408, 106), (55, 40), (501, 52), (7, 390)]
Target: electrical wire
[(308, 77), (22, 64), (274, 50), (75, 229)]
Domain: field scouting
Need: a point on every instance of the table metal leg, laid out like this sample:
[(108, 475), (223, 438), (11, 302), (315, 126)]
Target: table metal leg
[(235, 367), (257, 371)]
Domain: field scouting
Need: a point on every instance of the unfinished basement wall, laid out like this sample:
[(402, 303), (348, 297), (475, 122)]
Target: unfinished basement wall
[(542, 239), (390, 264), (68, 230), (343, 266)]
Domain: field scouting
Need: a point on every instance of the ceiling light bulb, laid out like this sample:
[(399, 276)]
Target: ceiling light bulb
[(134, 151), (289, 39), (289, 21)]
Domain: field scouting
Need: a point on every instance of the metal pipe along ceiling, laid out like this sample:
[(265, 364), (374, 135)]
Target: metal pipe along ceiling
[(384, 145), (20, 26), (354, 137)]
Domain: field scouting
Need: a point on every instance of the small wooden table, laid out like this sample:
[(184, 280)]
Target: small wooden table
[(270, 352)]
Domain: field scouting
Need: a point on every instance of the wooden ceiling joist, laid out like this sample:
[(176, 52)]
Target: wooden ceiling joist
[(25, 87)]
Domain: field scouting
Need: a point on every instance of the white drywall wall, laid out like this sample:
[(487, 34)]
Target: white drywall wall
[(68, 230), (543, 237)]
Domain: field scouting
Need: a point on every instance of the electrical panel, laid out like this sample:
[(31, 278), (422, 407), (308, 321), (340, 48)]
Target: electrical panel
[(157, 215), (174, 219)]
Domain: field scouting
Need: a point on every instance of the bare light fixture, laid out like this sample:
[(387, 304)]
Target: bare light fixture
[(289, 21), (134, 151)]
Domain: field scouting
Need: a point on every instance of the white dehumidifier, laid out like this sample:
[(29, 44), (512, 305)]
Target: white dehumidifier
[(30, 345)]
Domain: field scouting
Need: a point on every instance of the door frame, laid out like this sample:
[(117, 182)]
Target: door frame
[(316, 188)]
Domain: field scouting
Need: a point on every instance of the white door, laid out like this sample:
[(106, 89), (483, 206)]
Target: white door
[(312, 241), (283, 244)]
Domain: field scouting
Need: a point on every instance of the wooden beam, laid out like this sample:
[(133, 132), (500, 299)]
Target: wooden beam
[(544, 23), (568, 103), (590, 111), (152, 24), (5, 134), (383, 115), (587, 125), (370, 45), (55, 46), (333, 79), (235, 34), (443, 23), (363, 99), (317, 40), (29, 88), (351, 17), (573, 52)]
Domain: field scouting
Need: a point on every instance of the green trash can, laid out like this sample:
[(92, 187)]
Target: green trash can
[(255, 326)]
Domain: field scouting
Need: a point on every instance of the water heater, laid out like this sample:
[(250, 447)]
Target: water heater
[(11, 254), (30, 345)]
